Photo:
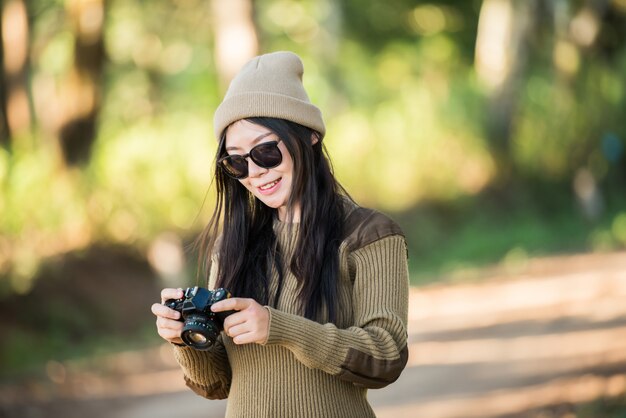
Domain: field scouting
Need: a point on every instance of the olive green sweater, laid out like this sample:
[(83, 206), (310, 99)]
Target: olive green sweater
[(308, 369)]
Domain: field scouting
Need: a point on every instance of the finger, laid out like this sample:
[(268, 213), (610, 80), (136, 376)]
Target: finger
[(233, 320), (238, 329), (245, 338), (169, 324), (169, 330), (232, 304), (164, 311), (170, 335), (170, 293)]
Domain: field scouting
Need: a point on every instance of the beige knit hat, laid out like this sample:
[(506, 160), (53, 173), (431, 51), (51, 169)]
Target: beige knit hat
[(269, 85)]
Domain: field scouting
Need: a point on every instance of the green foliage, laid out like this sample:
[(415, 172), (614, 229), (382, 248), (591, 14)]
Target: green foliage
[(455, 242), (604, 408), (406, 118), (84, 302), (561, 127), (148, 178), (407, 122)]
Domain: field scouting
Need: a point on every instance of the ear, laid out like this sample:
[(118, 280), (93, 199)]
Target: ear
[(315, 138)]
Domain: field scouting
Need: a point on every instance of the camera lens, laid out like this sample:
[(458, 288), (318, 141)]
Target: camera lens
[(196, 338), (200, 331)]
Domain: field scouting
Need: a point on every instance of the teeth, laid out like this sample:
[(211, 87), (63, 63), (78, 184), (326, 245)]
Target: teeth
[(268, 185)]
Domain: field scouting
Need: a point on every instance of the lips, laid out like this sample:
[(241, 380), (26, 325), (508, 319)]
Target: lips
[(270, 187)]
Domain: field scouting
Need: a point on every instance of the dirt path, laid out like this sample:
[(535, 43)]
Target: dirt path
[(550, 334)]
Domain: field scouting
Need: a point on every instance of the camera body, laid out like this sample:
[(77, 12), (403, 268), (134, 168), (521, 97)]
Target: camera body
[(202, 326)]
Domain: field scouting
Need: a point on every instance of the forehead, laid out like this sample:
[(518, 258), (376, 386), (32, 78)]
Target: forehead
[(243, 135)]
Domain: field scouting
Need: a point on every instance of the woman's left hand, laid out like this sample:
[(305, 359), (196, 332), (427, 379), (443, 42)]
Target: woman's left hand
[(249, 325)]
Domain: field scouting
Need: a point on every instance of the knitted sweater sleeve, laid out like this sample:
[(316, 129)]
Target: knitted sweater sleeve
[(373, 352), (207, 373)]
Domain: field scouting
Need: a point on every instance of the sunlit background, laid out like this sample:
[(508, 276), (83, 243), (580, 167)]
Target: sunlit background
[(493, 131)]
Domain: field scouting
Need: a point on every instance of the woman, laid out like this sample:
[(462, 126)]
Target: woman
[(320, 285)]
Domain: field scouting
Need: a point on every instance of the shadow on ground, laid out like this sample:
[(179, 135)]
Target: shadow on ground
[(546, 341)]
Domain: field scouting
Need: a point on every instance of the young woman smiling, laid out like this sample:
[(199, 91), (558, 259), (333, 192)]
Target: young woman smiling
[(320, 284)]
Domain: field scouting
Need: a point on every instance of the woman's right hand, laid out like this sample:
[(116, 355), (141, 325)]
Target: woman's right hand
[(168, 325)]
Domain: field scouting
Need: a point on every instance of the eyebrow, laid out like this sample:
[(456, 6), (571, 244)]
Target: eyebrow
[(254, 141)]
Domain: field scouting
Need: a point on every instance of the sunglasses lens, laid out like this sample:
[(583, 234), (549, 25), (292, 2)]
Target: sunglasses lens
[(235, 166), (266, 155)]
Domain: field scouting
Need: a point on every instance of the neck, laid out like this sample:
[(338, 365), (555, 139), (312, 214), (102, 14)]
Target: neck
[(284, 215)]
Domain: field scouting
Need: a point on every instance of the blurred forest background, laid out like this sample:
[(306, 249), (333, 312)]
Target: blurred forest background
[(492, 130)]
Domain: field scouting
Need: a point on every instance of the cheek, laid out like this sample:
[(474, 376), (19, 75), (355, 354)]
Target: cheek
[(287, 166), (245, 183)]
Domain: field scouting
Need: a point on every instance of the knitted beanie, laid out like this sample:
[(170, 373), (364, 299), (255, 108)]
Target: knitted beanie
[(269, 85)]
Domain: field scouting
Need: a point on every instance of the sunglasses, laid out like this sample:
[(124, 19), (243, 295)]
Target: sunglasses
[(265, 155)]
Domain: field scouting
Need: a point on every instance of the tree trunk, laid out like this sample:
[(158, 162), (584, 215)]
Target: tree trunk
[(16, 109), (501, 53), (4, 123), (236, 38), (82, 87)]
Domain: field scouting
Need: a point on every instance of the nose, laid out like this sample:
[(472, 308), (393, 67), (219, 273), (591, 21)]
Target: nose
[(254, 170)]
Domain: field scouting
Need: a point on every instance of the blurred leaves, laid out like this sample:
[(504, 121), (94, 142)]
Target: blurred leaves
[(407, 121)]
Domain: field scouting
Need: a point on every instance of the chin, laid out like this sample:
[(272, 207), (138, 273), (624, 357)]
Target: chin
[(270, 203)]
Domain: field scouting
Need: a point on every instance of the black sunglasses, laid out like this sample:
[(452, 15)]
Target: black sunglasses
[(265, 155)]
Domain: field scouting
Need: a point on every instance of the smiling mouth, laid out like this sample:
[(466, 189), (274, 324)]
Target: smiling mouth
[(269, 185)]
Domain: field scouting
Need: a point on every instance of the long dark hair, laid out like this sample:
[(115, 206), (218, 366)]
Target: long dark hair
[(247, 251)]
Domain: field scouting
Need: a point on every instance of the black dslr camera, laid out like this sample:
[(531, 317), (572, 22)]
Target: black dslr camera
[(202, 326)]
